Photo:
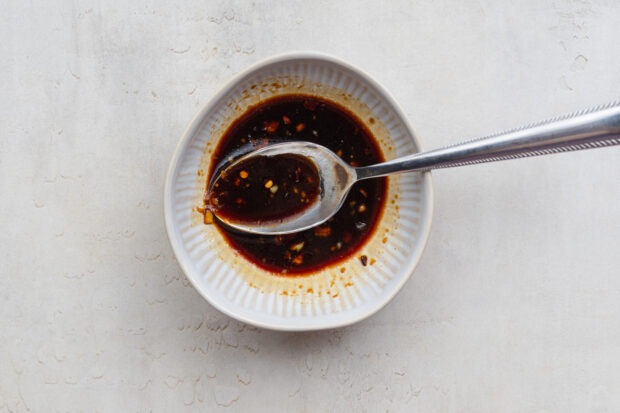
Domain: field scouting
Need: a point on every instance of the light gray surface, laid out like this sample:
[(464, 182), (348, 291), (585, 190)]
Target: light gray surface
[(515, 305)]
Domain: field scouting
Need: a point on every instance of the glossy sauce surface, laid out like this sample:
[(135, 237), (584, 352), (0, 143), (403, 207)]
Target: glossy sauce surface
[(306, 118), (264, 189)]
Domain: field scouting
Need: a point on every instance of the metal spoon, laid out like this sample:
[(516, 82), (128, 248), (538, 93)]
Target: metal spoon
[(594, 128)]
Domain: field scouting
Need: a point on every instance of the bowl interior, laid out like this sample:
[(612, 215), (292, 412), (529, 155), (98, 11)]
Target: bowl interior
[(337, 295)]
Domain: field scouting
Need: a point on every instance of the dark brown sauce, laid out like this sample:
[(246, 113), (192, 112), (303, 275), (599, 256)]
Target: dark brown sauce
[(305, 118), (265, 189)]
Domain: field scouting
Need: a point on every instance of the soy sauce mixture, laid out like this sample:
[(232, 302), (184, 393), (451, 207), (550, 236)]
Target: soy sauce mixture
[(265, 189), (302, 118)]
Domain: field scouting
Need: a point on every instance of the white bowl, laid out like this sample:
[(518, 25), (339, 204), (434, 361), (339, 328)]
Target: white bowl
[(330, 298)]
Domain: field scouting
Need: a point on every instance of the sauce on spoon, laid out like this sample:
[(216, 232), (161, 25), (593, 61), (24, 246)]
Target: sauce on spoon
[(265, 189)]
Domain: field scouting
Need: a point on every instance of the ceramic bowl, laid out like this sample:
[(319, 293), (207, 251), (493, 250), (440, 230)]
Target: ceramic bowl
[(333, 297)]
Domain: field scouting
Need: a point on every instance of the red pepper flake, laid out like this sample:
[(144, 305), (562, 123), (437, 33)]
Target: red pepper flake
[(240, 201), (300, 127), (364, 260), (298, 246), (298, 260), (346, 237), (271, 127), (323, 231), (286, 120), (309, 105)]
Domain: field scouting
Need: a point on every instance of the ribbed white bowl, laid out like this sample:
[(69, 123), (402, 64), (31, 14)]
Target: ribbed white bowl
[(333, 297)]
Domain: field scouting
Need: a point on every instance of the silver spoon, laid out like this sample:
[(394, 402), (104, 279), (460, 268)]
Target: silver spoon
[(595, 128)]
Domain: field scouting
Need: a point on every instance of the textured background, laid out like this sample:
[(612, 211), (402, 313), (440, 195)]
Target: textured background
[(515, 305)]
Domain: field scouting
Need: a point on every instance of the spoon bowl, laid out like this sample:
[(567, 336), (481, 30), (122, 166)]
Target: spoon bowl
[(335, 179)]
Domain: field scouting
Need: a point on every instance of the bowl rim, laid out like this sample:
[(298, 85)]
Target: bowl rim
[(194, 125)]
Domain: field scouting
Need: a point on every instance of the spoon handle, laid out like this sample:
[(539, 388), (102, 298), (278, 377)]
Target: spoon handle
[(594, 128)]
